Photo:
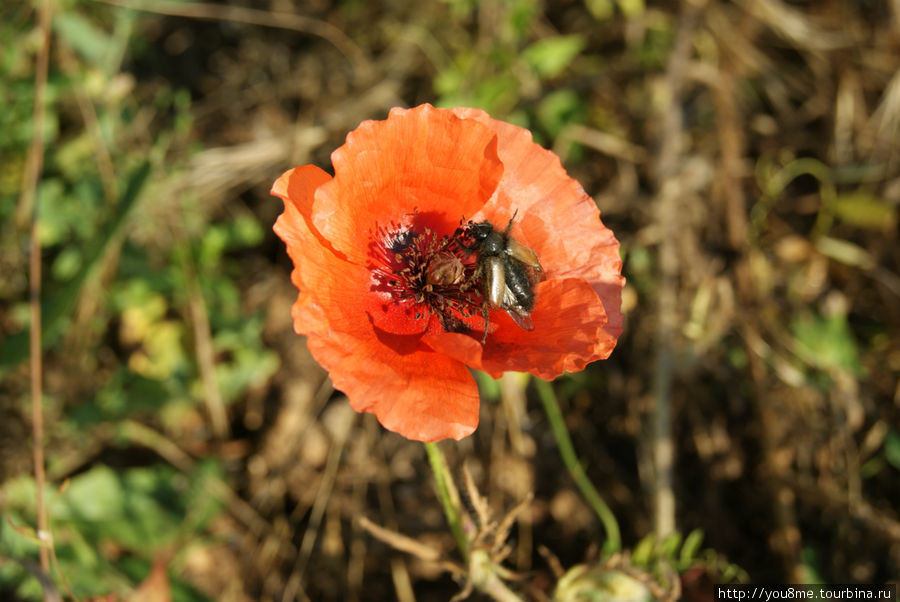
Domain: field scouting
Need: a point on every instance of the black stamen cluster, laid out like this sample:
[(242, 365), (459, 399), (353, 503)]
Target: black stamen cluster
[(433, 271)]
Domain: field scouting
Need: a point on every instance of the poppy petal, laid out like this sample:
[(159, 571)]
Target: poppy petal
[(555, 217), (420, 161), (411, 389), (420, 394), (557, 344), (297, 187), (322, 277)]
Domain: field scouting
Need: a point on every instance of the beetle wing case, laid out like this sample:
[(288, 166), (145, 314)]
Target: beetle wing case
[(496, 289), (526, 255)]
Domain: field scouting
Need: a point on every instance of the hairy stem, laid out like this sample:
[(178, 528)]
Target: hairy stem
[(444, 482), (613, 541)]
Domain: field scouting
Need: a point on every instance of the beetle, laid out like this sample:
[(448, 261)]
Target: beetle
[(507, 269)]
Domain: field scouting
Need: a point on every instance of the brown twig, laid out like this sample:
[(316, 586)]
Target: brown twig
[(28, 205), (401, 542), (512, 399), (205, 352)]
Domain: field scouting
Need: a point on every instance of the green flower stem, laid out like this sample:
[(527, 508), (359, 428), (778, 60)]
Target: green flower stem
[(613, 541), (442, 478)]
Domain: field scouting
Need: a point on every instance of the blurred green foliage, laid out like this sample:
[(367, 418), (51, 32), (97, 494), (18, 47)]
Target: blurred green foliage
[(510, 74), (109, 525), (108, 153), (683, 553)]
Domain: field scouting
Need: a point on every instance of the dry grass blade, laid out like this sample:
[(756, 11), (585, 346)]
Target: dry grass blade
[(791, 24), (205, 352), (478, 501), (251, 16), (885, 122), (507, 522), (28, 207), (606, 143), (401, 542), (553, 562)]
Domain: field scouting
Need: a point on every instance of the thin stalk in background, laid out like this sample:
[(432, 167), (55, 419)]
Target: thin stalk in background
[(671, 181), (28, 206), (451, 510), (613, 541)]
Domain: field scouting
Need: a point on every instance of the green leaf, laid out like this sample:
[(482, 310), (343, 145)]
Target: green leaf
[(864, 210), (643, 551), (548, 57), (826, 342), (96, 495), (892, 448), (631, 8), (810, 566), (521, 15), (600, 9), (92, 43), (246, 231), (489, 387), (25, 531), (449, 82), (559, 109), (55, 218), (691, 547), (67, 263), (872, 467), (496, 94), (139, 508), (669, 546), (846, 252), (249, 363)]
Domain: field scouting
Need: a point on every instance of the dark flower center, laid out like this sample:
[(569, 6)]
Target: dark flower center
[(431, 271)]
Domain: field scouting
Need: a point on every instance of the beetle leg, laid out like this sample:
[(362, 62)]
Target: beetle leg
[(485, 313)]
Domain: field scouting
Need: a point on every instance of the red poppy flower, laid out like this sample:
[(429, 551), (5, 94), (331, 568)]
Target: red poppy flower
[(390, 288)]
